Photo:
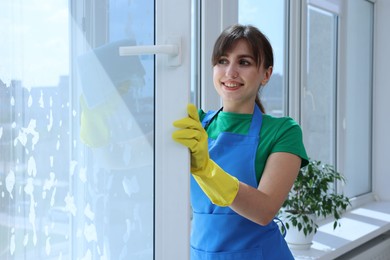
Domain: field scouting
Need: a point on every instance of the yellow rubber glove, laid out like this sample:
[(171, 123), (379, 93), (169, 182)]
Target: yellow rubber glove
[(219, 186), (94, 130)]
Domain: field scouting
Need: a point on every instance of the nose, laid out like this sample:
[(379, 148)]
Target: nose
[(231, 71)]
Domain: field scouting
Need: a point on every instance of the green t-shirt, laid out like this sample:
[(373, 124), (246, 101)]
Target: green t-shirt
[(276, 135)]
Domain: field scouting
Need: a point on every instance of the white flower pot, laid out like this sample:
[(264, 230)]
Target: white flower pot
[(297, 239)]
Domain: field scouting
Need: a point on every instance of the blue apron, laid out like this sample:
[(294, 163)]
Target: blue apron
[(218, 233)]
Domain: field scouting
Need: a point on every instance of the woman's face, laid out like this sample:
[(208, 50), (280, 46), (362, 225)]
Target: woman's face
[(237, 78)]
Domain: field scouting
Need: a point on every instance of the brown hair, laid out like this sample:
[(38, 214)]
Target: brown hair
[(257, 41)]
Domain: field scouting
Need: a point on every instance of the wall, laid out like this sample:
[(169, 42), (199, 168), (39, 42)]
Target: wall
[(381, 104)]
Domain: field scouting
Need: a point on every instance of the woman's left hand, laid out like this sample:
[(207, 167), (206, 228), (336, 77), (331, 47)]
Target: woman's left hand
[(192, 135)]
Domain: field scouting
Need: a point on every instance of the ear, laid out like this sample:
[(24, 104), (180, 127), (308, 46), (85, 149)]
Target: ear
[(267, 75)]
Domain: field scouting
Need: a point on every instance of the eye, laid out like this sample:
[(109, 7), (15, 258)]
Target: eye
[(245, 62), (223, 61)]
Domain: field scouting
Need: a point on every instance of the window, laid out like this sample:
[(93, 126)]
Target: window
[(115, 157), (336, 109), (85, 130), (62, 197), (318, 100), (35, 146), (355, 98)]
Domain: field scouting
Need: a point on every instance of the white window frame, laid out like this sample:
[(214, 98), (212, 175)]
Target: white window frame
[(172, 174)]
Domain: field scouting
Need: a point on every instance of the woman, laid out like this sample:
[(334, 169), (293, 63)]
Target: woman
[(243, 162)]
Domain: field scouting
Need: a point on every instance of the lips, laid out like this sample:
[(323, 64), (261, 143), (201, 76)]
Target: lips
[(232, 85)]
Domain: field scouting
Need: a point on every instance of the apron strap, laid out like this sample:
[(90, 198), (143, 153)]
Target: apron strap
[(279, 222), (257, 120), (209, 117)]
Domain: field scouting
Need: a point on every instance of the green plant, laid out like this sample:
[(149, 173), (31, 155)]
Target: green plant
[(313, 193)]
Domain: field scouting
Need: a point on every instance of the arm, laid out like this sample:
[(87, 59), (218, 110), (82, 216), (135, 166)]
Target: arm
[(259, 205), (262, 204)]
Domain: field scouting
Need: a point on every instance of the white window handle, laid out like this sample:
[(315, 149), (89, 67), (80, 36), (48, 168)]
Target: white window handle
[(173, 50)]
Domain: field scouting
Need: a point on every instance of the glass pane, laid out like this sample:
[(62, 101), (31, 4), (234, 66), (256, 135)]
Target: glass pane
[(356, 155), (76, 130), (318, 101), (259, 13)]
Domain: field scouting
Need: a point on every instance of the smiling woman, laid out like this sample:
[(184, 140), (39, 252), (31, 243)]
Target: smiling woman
[(239, 74), (243, 161)]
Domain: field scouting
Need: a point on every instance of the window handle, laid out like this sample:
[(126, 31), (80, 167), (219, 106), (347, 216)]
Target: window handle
[(172, 49)]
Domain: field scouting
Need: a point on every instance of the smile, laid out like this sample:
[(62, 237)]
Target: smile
[(231, 84)]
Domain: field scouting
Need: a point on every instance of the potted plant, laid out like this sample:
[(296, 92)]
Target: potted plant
[(312, 196)]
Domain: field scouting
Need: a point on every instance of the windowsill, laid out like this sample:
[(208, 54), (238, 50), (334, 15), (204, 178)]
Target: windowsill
[(358, 226)]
